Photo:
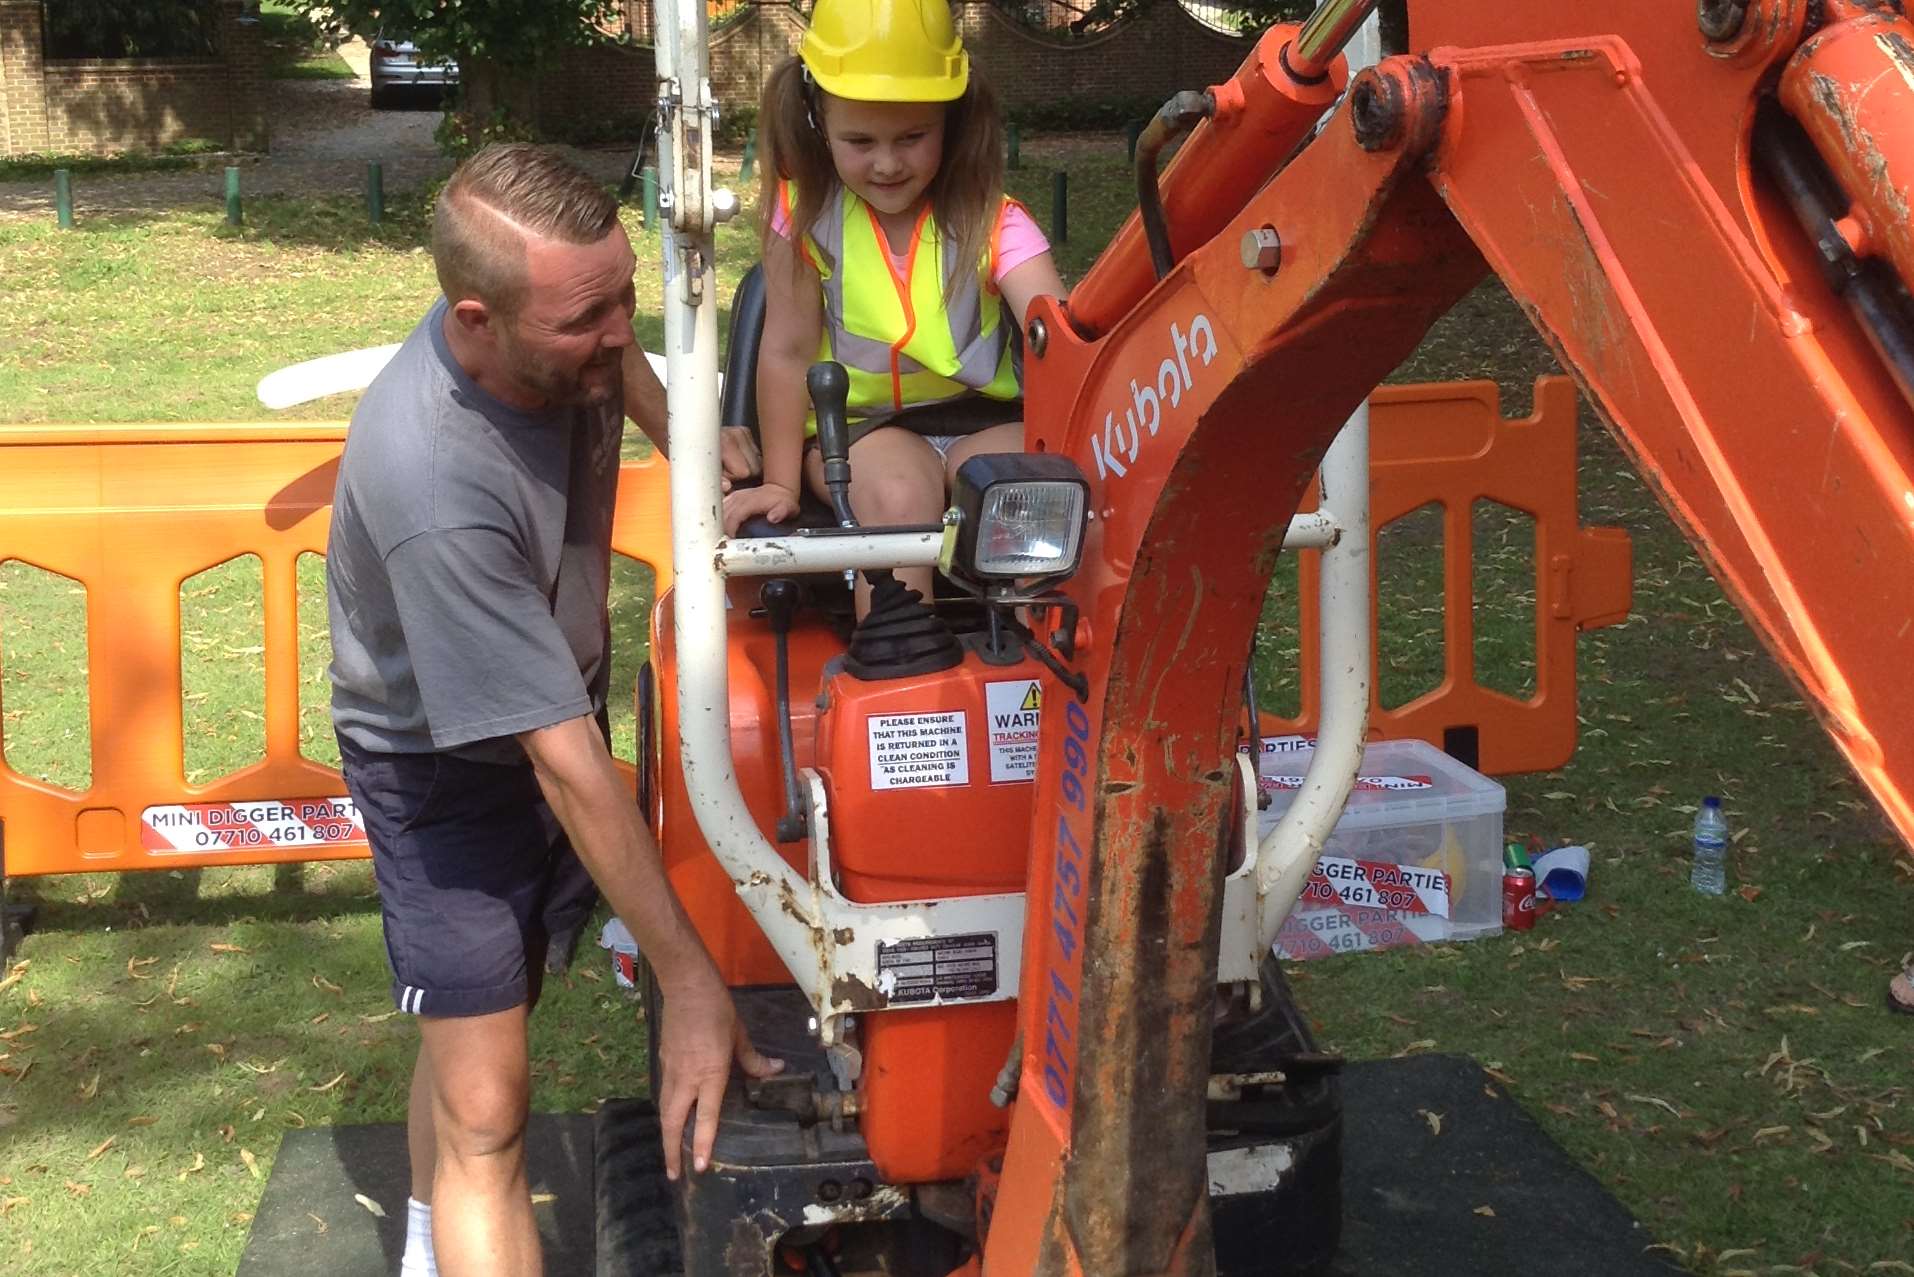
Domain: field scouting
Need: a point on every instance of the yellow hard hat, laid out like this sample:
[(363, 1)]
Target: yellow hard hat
[(886, 51)]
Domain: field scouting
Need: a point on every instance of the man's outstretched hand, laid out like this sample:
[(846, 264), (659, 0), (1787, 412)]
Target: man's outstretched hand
[(701, 1037)]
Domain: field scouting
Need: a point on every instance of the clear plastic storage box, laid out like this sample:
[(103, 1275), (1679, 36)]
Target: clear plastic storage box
[(1416, 857)]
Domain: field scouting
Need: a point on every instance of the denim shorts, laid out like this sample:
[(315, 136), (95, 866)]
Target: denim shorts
[(475, 876)]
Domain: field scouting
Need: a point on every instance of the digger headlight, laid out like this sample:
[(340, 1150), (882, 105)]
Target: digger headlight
[(1015, 515)]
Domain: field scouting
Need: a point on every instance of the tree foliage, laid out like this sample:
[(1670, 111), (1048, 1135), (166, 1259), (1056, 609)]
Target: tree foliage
[(505, 33), (1093, 15), (131, 28)]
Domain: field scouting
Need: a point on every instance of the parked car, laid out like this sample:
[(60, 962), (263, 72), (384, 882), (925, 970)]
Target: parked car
[(396, 68)]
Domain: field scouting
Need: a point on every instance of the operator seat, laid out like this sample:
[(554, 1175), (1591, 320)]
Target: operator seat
[(738, 401)]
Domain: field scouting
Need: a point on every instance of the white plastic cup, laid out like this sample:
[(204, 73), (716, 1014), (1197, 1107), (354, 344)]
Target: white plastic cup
[(1563, 873)]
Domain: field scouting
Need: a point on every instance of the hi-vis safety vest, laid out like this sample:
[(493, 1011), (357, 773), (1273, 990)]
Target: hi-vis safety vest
[(902, 341)]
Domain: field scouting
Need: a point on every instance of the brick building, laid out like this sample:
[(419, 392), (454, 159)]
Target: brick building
[(100, 105)]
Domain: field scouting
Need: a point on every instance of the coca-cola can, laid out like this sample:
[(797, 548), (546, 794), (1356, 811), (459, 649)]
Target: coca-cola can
[(1518, 899)]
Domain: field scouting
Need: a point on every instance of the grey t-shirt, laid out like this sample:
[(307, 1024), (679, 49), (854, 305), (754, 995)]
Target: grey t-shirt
[(469, 559)]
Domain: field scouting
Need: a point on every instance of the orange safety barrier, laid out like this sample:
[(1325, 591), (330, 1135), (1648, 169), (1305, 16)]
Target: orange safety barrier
[(1449, 444), (130, 512)]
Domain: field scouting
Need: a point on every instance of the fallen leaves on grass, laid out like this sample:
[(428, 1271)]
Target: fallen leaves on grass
[(101, 1147), (1895, 1158), (199, 1164), (320, 982), (15, 975), (144, 1119), (89, 1088), (78, 1189), (1771, 1133), (1657, 1101), (220, 947), (252, 1163), (1749, 892), (1422, 1044), (9, 1204), (135, 967), (327, 1086)]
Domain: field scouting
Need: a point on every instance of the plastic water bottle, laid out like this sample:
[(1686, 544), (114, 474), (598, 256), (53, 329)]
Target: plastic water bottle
[(1710, 872)]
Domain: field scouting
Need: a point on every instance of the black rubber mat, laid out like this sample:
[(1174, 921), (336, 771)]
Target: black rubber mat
[(310, 1220), (1413, 1198)]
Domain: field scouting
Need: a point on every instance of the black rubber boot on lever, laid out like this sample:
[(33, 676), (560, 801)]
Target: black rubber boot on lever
[(899, 636), (780, 597)]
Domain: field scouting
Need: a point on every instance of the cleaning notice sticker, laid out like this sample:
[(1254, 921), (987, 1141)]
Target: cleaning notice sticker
[(911, 750), (1013, 709)]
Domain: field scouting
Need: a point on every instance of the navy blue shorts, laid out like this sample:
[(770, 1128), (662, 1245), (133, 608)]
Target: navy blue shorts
[(475, 876)]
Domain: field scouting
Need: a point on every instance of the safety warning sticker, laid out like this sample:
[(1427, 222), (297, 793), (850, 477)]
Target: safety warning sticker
[(910, 750), (946, 967), (184, 829), (1013, 709)]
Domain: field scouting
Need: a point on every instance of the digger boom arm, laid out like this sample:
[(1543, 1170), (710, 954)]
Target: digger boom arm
[(1599, 158)]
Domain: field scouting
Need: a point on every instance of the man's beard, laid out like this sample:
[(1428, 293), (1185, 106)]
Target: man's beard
[(556, 386)]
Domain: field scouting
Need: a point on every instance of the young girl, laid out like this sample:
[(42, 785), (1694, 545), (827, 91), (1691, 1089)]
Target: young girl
[(890, 247)]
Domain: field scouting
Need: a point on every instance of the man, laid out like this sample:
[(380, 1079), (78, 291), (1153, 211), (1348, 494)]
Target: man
[(466, 581)]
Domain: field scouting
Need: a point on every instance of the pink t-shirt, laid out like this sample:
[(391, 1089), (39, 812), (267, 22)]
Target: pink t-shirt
[(1018, 240)]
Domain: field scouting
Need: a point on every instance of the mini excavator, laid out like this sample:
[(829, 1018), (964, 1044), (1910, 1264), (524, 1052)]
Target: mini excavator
[(984, 867)]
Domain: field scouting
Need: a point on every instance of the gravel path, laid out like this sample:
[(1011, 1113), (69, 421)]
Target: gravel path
[(323, 133)]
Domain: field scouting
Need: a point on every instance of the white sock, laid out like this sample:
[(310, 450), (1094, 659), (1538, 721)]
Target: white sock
[(418, 1260)]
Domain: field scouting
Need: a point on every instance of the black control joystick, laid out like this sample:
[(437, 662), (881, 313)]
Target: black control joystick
[(830, 388)]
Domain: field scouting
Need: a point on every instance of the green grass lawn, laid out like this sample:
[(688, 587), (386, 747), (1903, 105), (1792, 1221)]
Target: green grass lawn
[(296, 49), (1724, 1066)]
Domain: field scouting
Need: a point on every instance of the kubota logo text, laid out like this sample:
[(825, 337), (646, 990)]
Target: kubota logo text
[(1116, 450)]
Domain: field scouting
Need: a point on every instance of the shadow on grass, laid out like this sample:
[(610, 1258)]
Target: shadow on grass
[(155, 899)]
